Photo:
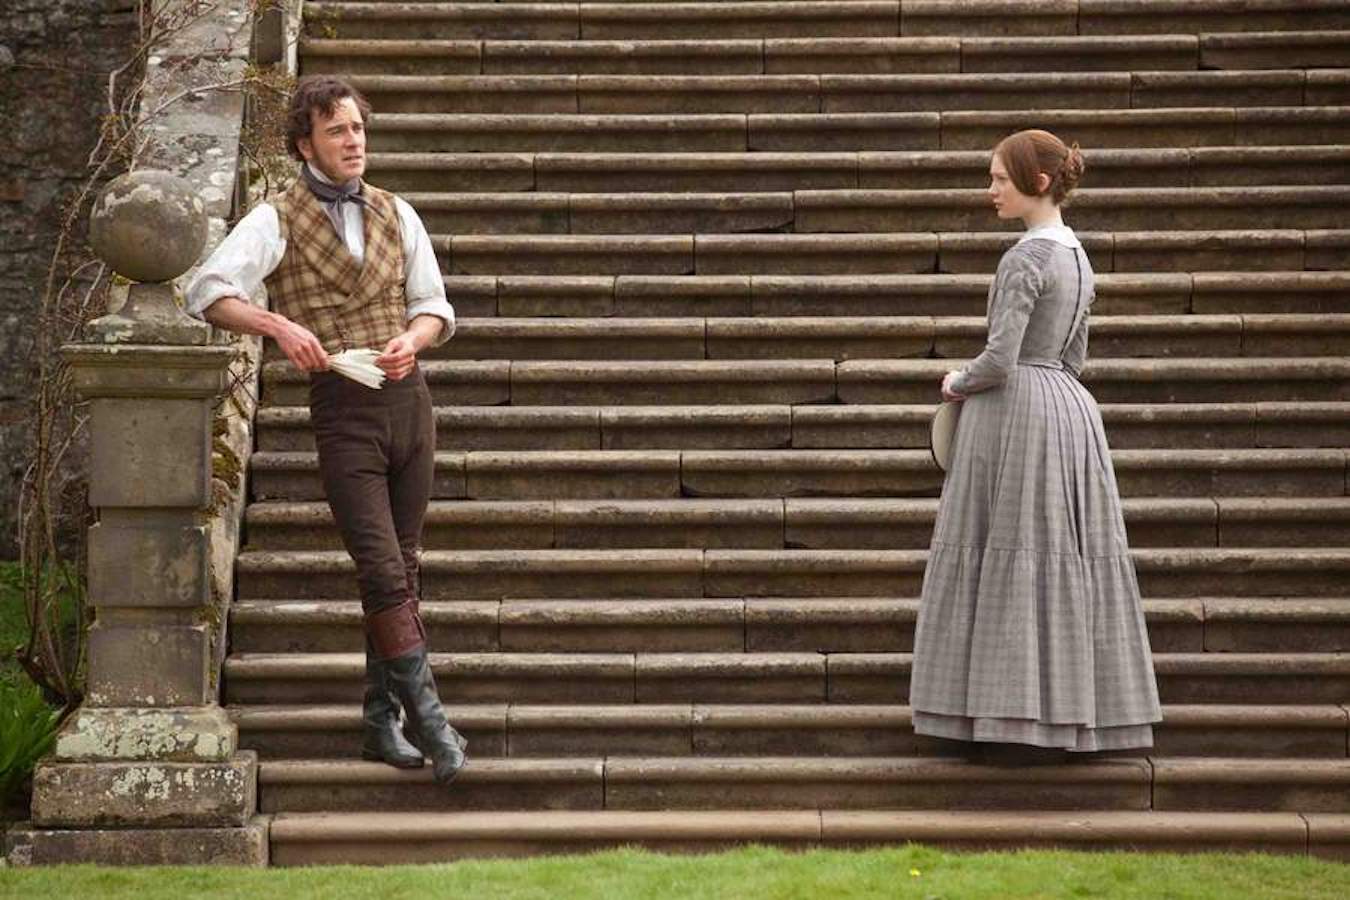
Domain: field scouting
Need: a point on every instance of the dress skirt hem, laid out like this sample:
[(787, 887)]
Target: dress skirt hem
[(1075, 738)]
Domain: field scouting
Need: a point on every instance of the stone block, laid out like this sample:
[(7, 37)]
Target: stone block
[(148, 562), (188, 734), (148, 794), (26, 845), (150, 453), (139, 664)]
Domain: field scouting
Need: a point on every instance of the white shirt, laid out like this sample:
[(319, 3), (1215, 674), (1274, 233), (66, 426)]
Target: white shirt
[(255, 247)]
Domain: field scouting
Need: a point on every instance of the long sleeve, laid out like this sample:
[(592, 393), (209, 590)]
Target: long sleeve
[(423, 285), (1016, 288), (238, 265), (1076, 354)]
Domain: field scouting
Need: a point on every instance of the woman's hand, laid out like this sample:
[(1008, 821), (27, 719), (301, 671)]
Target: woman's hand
[(947, 392)]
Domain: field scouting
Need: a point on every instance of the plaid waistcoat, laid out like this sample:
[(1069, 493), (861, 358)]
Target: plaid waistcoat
[(320, 285)]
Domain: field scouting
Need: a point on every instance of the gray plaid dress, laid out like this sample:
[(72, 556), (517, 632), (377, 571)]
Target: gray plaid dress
[(1030, 626)]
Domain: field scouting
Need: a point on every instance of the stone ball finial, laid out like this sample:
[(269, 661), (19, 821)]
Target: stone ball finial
[(148, 226)]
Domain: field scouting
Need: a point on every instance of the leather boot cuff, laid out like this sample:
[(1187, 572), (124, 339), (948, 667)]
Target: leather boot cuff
[(395, 631)]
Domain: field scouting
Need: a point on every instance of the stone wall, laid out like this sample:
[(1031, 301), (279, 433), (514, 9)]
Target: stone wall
[(55, 56)]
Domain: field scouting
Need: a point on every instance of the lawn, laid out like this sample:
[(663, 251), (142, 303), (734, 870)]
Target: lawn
[(756, 872)]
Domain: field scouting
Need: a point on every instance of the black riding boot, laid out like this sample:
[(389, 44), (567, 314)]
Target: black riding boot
[(382, 738), (400, 641)]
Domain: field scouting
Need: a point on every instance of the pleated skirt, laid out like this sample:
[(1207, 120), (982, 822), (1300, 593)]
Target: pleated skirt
[(1030, 626)]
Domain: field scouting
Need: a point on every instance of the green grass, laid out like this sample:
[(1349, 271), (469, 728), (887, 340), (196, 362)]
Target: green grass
[(908, 872)]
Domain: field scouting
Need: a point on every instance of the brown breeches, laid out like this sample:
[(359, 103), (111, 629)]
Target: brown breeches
[(376, 460)]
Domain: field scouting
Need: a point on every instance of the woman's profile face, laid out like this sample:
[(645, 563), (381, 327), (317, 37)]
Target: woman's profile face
[(1007, 200)]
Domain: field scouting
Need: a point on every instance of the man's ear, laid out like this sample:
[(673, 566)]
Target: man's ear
[(306, 148)]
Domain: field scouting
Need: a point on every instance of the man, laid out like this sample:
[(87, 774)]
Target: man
[(349, 266)]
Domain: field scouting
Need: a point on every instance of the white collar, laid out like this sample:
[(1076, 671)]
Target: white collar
[(1060, 234)]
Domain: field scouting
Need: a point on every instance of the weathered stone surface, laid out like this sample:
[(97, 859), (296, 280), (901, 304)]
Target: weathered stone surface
[(147, 794), (142, 664), (155, 562), (186, 734), (148, 225), (246, 846)]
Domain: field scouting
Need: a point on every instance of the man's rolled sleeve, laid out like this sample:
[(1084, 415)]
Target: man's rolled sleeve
[(423, 286), (238, 265)]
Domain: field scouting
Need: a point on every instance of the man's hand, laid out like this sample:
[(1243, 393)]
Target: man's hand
[(947, 392), (300, 345), (399, 357)]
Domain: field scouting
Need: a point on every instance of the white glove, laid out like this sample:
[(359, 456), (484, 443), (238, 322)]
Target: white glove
[(359, 366)]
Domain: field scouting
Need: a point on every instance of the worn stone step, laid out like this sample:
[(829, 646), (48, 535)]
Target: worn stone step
[(603, 21), (608, 214), (1137, 426), (835, 730), (830, 93), (521, 475), (506, 21), (881, 337), (672, 783), (777, 678), (1299, 625), (1303, 785), (1172, 16), (825, 625), (1183, 380), (1127, 252), (577, 574), (909, 170), (1180, 127), (849, 132), (717, 296), (1129, 426), (1275, 49), (483, 784), (830, 55), (809, 524), (390, 837), (868, 211), (1183, 678), (1094, 209)]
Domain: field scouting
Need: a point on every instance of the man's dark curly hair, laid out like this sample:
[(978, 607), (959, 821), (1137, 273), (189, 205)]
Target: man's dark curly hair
[(317, 93)]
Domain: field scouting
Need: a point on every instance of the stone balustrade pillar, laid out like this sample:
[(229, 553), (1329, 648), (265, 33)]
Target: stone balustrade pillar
[(148, 769)]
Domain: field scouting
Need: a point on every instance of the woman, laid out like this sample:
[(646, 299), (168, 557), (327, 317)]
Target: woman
[(1030, 629)]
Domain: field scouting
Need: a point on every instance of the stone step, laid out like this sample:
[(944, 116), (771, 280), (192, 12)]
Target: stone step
[(815, 55), (1251, 379), (604, 21), (1275, 50), (860, 381), (904, 253), (383, 838), (808, 93), (1129, 426), (810, 783), (714, 574), (868, 211), (880, 337), (908, 170), (658, 474), (807, 524), (833, 132), (668, 474), (825, 625), (823, 56), (774, 678), (716, 296), (835, 730)]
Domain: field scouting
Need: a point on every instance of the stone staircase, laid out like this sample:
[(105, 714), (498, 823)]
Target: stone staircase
[(711, 260)]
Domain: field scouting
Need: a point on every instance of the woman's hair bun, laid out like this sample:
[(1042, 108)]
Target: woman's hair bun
[(1028, 154)]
